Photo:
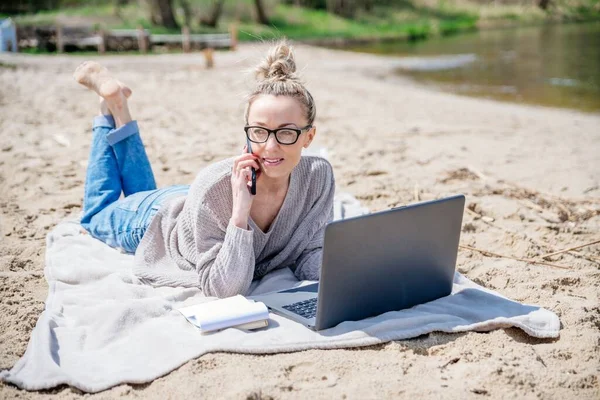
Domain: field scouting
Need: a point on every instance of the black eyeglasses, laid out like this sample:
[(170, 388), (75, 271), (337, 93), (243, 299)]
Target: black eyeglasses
[(287, 136)]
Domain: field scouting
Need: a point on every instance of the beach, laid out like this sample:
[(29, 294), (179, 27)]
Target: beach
[(531, 177)]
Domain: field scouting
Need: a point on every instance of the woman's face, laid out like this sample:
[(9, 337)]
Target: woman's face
[(273, 112)]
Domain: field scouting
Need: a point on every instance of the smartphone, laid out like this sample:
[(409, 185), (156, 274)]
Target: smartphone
[(253, 187)]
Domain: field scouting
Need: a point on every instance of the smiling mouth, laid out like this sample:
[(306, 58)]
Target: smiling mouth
[(272, 162)]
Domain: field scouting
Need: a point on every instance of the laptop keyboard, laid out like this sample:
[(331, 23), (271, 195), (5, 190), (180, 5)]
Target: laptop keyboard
[(306, 308)]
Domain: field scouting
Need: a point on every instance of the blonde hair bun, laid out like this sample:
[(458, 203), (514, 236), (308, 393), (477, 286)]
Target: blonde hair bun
[(276, 75), (278, 65)]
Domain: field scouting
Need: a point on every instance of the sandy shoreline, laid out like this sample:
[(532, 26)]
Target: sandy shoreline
[(534, 170)]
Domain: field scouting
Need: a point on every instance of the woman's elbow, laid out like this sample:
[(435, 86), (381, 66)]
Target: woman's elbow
[(224, 289)]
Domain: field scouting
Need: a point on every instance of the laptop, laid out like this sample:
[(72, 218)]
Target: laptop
[(379, 262)]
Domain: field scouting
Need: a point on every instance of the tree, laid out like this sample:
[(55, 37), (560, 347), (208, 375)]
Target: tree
[(344, 8), (161, 13), (118, 4), (261, 16), (314, 4), (187, 12), (31, 6), (215, 13)]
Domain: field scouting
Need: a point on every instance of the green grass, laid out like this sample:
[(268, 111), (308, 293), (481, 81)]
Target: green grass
[(446, 28), (91, 13), (300, 23)]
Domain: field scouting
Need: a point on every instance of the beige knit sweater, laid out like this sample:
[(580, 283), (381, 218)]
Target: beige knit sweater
[(190, 242)]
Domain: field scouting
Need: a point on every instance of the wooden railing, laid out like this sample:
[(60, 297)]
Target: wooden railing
[(61, 38)]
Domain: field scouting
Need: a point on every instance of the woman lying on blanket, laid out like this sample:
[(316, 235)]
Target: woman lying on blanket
[(214, 234)]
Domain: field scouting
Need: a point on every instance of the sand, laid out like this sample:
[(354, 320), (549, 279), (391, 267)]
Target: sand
[(531, 176)]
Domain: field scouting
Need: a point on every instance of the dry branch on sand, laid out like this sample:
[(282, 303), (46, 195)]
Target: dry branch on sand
[(570, 249), (553, 209), (573, 210)]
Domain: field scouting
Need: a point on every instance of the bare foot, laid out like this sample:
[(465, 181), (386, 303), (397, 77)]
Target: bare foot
[(97, 78)]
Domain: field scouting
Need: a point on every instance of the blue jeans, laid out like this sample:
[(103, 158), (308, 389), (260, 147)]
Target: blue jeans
[(118, 163)]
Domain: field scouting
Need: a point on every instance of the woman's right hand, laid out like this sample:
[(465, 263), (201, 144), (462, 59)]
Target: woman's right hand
[(241, 181)]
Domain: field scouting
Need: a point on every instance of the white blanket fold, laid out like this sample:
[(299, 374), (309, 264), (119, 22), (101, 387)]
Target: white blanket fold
[(101, 327)]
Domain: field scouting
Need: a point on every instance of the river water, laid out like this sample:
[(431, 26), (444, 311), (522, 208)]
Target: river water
[(555, 65)]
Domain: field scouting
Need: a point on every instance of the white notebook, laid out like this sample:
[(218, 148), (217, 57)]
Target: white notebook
[(236, 311)]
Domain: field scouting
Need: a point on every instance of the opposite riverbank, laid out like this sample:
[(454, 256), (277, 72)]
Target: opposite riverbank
[(407, 20)]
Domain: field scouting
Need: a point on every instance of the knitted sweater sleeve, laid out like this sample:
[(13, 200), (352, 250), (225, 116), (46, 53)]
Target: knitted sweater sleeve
[(308, 264), (222, 253)]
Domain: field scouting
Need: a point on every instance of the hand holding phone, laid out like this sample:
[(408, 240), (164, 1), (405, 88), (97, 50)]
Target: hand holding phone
[(253, 187)]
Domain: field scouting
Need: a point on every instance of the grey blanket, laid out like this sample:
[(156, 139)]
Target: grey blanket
[(101, 327)]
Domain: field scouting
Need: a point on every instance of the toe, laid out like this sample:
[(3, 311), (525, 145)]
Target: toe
[(126, 91), (78, 75)]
